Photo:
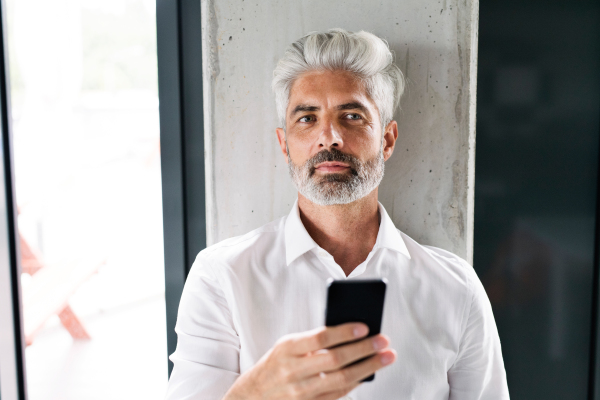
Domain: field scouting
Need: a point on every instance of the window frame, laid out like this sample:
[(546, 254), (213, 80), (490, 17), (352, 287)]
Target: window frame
[(12, 343), (181, 110)]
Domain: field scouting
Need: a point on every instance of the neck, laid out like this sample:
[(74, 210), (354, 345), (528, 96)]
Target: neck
[(346, 231)]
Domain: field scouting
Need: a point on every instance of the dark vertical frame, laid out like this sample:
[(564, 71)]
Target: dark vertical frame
[(179, 52), (9, 245), (594, 373)]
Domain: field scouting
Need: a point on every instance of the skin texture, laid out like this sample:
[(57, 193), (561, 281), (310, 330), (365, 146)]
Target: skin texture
[(348, 231), (327, 109), (300, 367)]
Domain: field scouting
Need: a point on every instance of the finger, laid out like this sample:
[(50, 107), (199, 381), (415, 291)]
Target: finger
[(336, 394), (338, 357), (341, 379), (315, 388), (325, 337)]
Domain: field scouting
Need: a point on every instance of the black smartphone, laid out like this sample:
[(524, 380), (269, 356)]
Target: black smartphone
[(356, 301)]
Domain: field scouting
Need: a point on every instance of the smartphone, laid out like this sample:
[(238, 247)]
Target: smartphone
[(356, 301)]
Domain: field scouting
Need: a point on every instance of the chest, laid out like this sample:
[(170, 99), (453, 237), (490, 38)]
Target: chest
[(421, 326)]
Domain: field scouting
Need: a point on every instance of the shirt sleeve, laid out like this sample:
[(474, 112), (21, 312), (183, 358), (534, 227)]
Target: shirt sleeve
[(206, 361), (478, 372)]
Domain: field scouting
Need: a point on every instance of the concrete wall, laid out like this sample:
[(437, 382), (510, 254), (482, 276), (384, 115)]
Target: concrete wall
[(428, 184)]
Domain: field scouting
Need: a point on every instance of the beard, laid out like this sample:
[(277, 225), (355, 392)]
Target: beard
[(337, 188)]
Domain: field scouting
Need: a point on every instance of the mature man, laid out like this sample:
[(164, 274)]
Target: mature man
[(250, 322)]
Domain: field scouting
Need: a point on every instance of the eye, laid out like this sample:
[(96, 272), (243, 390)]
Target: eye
[(307, 118), (353, 116)]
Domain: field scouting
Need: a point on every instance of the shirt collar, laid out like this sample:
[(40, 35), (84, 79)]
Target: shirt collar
[(298, 241), (388, 236)]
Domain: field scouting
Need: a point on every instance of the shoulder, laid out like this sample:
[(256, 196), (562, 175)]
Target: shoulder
[(452, 281), (438, 260), (240, 250), (451, 275), (459, 276)]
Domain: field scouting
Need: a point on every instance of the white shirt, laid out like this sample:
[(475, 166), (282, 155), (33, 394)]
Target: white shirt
[(244, 293)]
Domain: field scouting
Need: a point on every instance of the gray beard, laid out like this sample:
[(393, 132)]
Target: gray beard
[(337, 188)]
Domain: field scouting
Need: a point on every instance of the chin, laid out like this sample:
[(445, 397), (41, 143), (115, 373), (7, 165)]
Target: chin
[(332, 177)]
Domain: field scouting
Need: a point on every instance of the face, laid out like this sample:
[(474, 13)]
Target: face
[(334, 142)]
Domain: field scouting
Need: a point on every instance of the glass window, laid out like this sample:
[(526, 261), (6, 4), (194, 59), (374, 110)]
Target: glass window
[(87, 175), (535, 188)]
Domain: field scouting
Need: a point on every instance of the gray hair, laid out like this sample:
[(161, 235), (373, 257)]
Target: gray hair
[(363, 54)]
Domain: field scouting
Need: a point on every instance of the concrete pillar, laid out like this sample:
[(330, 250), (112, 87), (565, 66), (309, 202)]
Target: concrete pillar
[(428, 184)]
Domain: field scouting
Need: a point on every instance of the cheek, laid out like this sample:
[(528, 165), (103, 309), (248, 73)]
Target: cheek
[(297, 150), (301, 143), (366, 144)]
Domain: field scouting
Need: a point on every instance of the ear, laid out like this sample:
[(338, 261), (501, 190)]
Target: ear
[(389, 139), (282, 143)]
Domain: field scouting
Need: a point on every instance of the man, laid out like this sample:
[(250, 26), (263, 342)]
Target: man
[(251, 314)]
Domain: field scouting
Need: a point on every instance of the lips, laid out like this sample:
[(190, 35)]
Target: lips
[(332, 166), (332, 162)]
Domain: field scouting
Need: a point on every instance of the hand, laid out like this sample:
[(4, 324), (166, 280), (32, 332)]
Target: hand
[(306, 366)]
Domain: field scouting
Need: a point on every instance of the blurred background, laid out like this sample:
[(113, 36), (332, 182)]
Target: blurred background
[(535, 188), (83, 77)]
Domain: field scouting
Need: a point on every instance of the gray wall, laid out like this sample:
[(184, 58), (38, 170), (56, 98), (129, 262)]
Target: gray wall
[(428, 185)]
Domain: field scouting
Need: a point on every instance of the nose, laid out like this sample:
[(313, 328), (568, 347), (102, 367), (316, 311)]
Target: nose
[(330, 136)]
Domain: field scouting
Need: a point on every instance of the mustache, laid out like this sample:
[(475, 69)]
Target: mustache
[(330, 156)]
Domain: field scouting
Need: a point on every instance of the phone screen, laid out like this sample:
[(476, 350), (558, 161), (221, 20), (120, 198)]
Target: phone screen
[(356, 301)]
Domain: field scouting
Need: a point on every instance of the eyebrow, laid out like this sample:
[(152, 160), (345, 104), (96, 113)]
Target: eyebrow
[(355, 105), (304, 108)]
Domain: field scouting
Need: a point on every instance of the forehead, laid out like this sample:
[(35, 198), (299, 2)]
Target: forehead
[(328, 89)]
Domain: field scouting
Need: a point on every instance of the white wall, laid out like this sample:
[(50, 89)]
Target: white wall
[(428, 185)]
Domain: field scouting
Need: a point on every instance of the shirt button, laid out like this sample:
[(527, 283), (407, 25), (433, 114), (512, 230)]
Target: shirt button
[(346, 398), (323, 253)]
